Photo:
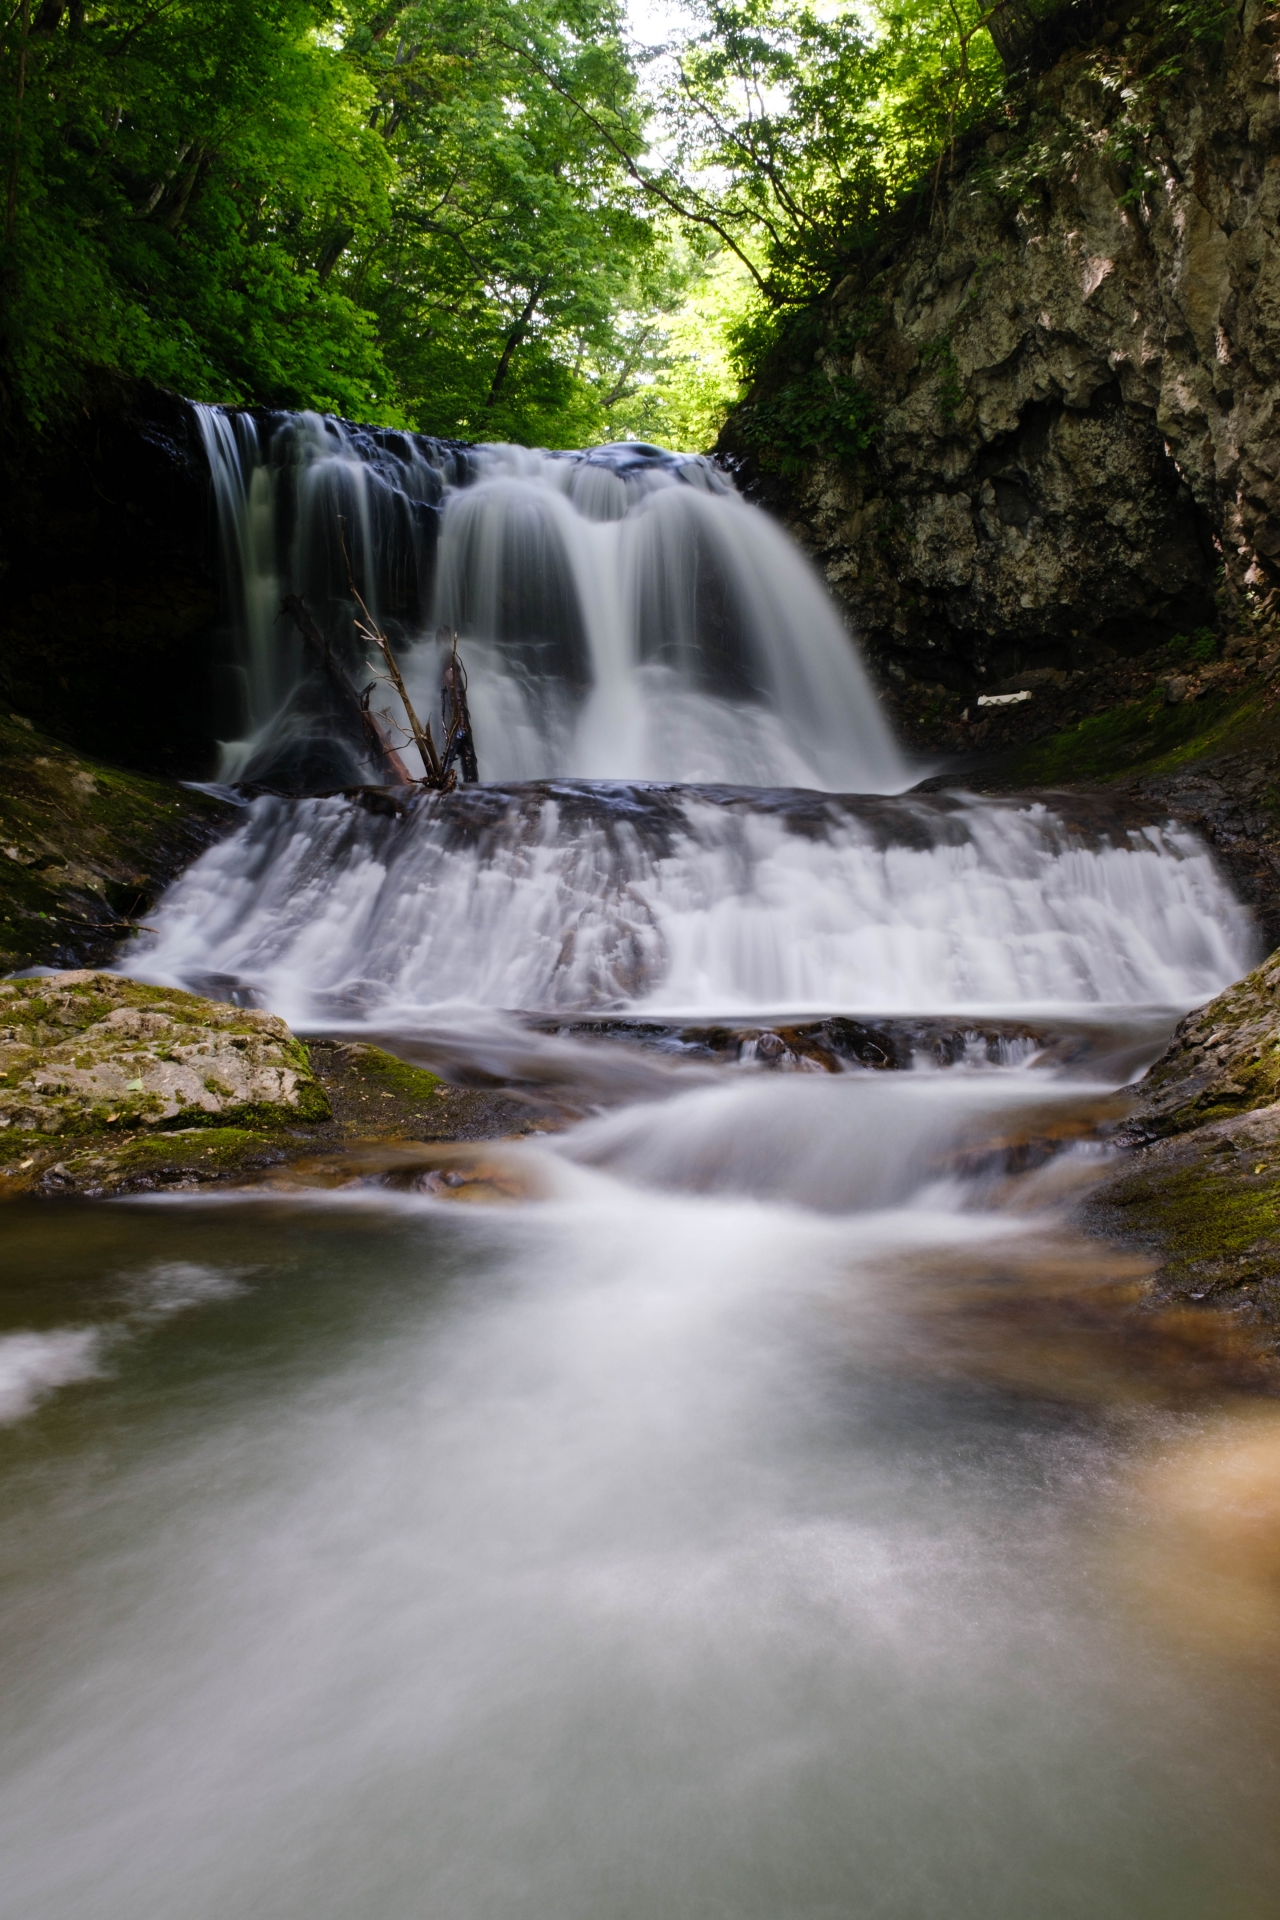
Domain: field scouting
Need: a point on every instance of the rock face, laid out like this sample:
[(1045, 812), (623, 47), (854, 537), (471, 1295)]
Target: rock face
[(80, 1052), (109, 569), (1075, 370), (85, 848), (1202, 1187)]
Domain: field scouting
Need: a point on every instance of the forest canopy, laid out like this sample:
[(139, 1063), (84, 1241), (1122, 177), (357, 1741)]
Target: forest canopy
[(488, 218)]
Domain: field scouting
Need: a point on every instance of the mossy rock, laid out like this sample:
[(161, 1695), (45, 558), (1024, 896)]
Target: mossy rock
[(1202, 1189), (84, 1053), (1223, 1060), (85, 847)]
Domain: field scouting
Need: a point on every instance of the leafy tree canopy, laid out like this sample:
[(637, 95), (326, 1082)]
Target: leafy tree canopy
[(393, 211), (489, 218)]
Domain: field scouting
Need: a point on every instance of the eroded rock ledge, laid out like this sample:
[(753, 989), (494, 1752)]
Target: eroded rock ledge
[(1201, 1186)]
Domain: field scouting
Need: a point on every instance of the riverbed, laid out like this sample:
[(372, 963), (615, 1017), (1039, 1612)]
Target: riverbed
[(750, 1495)]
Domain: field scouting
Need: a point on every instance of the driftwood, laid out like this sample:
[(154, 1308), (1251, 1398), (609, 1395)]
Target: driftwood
[(435, 772), (354, 706), (455, 716)]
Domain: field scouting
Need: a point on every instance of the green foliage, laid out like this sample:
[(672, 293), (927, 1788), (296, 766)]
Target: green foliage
[(167, 166), (796, 128), (1203, 21), (815, 412), (796, 132), (405, 212), (449, 213), (1193, 648)]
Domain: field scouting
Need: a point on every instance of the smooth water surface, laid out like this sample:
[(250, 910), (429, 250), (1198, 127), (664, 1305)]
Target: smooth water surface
[(669, 1545)]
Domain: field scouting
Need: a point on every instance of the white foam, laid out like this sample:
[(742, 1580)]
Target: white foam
[(550, 901), (35, 1365)]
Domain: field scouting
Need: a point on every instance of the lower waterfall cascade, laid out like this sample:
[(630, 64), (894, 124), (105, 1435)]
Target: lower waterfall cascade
[(762, 1498), (696, 900)]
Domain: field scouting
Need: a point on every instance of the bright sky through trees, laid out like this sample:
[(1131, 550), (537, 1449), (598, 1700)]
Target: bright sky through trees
[(489, 218)]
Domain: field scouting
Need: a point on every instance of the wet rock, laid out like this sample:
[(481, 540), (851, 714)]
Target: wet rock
[(896, 1043), (81, 1052), (1201, 1187)]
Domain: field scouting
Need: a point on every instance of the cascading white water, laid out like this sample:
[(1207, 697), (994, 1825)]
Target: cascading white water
[(573, 897), (624, 614)]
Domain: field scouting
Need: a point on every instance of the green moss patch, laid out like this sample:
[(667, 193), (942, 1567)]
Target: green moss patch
[(390, 1075), (136, 1162), (85, 848), (1141, 737)]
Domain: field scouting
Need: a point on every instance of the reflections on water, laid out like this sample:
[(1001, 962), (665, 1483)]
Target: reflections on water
[(736, 1514)]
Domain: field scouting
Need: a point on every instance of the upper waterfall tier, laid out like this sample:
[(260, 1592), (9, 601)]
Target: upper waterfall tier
[(623, 613)]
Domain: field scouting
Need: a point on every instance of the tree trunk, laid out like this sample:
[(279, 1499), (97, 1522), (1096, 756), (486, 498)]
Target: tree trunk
[(173, 210), (334, 248), (513, 340)]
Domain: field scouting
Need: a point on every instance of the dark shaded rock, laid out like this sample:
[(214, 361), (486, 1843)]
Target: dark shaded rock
[(85, 848), (898, 1043), (110, 593)]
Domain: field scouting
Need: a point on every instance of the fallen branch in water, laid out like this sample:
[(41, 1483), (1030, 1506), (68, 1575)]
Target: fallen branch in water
[(455, 716), (355, 706), (434, 774)]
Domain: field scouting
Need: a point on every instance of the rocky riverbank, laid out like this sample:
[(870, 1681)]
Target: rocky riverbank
[(1200, 1184), (108, 1086)]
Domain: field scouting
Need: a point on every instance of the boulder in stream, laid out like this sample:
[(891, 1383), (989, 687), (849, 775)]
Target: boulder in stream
[(1202, 1187)]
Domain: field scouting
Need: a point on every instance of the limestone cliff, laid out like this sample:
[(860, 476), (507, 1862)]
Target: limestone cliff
[(1074, 362)]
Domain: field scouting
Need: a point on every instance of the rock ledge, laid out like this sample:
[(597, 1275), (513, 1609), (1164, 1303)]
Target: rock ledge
[(83, 1052)]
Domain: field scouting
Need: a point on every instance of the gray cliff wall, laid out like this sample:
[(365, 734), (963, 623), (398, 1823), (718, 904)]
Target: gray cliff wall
[(1075, 366)]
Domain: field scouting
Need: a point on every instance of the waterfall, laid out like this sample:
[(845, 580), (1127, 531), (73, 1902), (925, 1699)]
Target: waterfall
[(667, 1467), (566, 896), (623, 613), (672, 722)]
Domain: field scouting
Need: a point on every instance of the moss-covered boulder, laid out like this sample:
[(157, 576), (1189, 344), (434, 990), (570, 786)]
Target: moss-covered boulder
[(1223, 1061), (84, 1052), (1201, 1186)]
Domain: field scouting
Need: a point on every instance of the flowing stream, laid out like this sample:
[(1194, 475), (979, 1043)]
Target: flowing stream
[(760, 1516)]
